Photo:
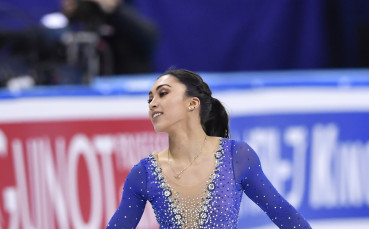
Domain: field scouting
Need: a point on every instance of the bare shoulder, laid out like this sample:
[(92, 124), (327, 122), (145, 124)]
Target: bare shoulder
[(214, 139), (159, 155), (213, 144)]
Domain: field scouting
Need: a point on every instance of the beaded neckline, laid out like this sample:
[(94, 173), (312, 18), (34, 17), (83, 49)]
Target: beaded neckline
[(173, 181), (174, 199)]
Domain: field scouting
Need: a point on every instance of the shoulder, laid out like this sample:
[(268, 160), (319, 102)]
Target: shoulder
[(245, 160), (242, 150), (240, 146), (139, 169), (147, 163), (144, 164)]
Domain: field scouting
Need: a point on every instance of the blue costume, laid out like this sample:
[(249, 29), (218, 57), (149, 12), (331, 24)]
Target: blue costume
[(217, 205)]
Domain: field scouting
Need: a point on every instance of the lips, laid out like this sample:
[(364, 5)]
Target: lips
[(156, 114)]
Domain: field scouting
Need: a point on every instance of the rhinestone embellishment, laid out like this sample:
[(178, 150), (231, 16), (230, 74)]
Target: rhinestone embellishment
[(167, 193), (203, 215), (158, 170), (211, 186), (178, 217), (218, 155)]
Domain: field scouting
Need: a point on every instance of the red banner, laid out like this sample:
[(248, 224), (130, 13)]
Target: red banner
[(70, 174)]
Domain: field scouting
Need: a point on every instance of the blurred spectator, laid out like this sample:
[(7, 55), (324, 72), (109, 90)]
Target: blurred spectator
[(88, 38), (129, 38)]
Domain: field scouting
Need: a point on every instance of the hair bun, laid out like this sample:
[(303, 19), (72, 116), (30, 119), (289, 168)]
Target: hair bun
[(204, 89)]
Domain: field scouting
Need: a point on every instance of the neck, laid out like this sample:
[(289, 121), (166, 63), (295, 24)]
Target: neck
[(185, 145)]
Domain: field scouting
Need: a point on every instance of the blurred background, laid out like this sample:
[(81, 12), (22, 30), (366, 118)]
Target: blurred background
[(74, 77)]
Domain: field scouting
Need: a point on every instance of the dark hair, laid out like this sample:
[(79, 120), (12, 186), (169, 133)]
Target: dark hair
[(213, 116)]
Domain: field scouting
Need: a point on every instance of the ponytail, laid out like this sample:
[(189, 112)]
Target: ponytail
[(217, 122), (213, 115)]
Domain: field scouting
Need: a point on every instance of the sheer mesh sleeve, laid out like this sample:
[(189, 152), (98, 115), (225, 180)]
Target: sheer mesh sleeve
[(133, 201), (249, 174)]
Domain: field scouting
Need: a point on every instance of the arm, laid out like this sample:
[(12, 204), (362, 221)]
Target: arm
[(258, 188), (133, 200)]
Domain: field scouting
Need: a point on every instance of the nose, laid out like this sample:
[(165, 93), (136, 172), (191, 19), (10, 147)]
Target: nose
[(153, 104)]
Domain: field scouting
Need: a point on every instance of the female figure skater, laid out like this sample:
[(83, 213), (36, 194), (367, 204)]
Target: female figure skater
[(198, 181)]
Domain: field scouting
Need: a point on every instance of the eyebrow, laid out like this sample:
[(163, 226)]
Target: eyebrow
[(158, 87)]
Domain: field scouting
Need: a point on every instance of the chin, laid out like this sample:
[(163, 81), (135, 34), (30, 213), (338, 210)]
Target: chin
[(160, 129)]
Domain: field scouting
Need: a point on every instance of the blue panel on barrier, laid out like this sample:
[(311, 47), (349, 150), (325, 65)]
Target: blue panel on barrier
[(246, 80), (319, 162), (141, 84)]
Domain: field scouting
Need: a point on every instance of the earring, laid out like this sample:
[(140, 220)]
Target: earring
[(190, 108)]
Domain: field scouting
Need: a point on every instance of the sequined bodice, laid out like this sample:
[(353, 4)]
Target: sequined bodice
[(196, 207), (214, 204)]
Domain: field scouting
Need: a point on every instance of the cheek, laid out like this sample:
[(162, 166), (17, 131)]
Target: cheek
[(177, 108)]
